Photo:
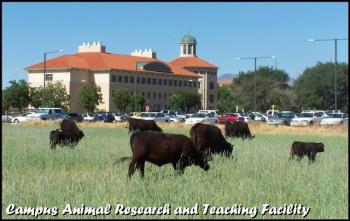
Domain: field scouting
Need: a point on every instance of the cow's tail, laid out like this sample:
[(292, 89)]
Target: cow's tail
[(122, 159)]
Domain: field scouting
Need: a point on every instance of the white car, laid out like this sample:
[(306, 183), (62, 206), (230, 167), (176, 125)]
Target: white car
[(42, 111), (160, 117), (201, 118), (333, 119), (89, 117), (245, 118), (215, 112), (21, 118), (307, 118)]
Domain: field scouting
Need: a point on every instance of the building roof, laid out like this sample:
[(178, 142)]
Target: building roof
[(101, 60), (191, 62), (188, 39), (225, 82)]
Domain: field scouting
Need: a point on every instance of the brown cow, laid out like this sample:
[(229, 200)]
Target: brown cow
[(143, 125), (162, 148), (72, 134), (237, 129), (209, 139), (302, 148)]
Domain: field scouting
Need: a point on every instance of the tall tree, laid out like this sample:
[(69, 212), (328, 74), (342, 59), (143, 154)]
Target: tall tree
[(137, 99), (17, 95), (5, 104), (184, 100), (36, 96), (121, 99), (315, 87), (227, 102), (55, 95), (89, 97)]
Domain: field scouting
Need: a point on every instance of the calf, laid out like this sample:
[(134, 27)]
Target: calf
[(209, 139), (237, 129), (310, 149), (143, 125), (162, 148), (56, 137)]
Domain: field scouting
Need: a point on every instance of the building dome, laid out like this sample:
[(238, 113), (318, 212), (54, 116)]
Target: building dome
[(188, 39)]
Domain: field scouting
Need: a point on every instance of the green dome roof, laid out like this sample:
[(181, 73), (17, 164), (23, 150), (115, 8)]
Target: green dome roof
[(188, 39)]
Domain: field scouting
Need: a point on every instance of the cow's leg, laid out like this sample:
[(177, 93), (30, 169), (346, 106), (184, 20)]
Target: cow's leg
[(132, 167), (291, 157), (311, 157), (141, 166), (300, 157)]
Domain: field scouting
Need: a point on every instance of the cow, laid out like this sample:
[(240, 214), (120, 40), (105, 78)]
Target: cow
[(209, 140), (56, 137), (301, 149), (143, 125), (237, 129), (163, 148), (72, 134)]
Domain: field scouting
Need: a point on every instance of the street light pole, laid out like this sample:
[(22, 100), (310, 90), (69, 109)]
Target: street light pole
[(135, 87), (335, 65), (255, 58), (45, 53)]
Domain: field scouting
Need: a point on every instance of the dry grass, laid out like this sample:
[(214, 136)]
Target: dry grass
[(255, 127)]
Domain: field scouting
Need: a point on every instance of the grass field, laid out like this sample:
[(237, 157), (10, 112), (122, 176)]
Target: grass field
[(35, 176)]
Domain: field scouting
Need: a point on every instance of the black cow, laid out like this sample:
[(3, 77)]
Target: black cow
[(56, 137), (237, 129), (72, 134), (143, 125), (162, 148), (209, 139), (310, 149)]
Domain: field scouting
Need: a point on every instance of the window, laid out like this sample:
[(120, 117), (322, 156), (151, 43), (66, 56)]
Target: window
[(131, 79), (48, 77), (148, 80), (154, 81), (143, 94), (211, 98), (199, 84), (194, 84), (138, 80), (126, 79), (184, 49), (180, 83), (175, 83), (114, 78), (154, 95), (189, 50), (190, 84), (170, 83), (165, 82), (185, 83), (159, 81), (164, 96), (143, 80), (160, 96), (211, 85), (149, 95)]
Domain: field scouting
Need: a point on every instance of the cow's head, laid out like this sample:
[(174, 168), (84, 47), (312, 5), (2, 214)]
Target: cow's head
[(320, 147), (202, 161), (81, 134), (228, 149)]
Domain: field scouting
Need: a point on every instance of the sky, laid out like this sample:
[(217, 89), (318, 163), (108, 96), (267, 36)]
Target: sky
[(224, 31)]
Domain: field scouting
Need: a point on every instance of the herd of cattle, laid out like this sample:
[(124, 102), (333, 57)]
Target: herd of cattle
[(149, 143)]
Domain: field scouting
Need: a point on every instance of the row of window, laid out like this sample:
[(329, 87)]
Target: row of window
[(154, 81), (154, 95)]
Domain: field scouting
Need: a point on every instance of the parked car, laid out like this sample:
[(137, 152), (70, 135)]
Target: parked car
[(89, 117), (120, 117), (307, 118), (334, 119), (42, 111), (55, 116), (157, 116), (215, 112), (6, 118), (74, 116), (243, 117), (21, 118), (107, 117), (202, 118), (282, 118), (223, 118), (135, 115)]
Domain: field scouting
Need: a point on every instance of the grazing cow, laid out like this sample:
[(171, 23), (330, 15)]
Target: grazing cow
[(143, 125), (162, 148), (72, 134), (209, 139), (237, 129), (302, 148), (56, 137)]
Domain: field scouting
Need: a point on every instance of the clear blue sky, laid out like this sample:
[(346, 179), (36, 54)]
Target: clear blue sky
[(223, 31)]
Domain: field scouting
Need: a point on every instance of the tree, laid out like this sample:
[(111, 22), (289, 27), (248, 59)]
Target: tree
[(184, 100), (5, 104), (56, 95), (315, 87), (89, 97), (137, 99), (271, 88), (226, 102), (121, 99), (17, 95), (36, 96)]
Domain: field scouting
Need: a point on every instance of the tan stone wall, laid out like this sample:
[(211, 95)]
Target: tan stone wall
[(102, 79)]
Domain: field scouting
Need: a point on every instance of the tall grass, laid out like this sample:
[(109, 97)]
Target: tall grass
[(34, 176)]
